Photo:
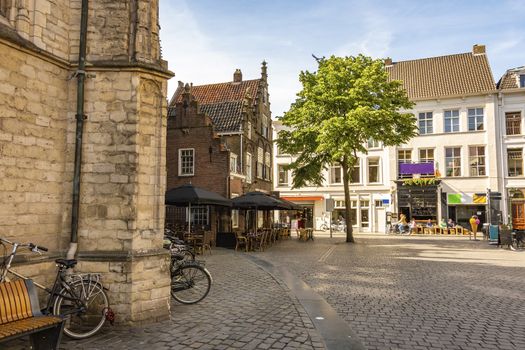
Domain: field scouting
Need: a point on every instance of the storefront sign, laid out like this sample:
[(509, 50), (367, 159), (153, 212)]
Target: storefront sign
[(466, 198)]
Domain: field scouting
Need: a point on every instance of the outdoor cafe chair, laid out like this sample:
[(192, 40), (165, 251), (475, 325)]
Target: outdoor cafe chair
[(240, 241)]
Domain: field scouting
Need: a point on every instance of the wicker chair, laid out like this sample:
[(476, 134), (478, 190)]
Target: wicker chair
[(240, 240)]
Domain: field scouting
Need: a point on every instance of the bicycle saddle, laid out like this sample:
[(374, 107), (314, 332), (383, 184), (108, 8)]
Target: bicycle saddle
[(66, 263)]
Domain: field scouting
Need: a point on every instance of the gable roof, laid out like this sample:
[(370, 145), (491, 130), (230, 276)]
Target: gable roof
[(510, 79), (223, 102), (226, 116), (452, 75)]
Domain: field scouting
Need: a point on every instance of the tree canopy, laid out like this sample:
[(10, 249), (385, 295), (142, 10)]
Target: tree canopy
[(345, 103)]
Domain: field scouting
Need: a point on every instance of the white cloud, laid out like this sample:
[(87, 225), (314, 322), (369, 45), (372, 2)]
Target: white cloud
[(189, 51)]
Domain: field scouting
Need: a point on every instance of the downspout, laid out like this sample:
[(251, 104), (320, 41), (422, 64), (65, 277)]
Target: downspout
[(81, 75)]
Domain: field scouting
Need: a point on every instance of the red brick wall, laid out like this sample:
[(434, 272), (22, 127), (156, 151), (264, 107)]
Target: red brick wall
[(192, 130)]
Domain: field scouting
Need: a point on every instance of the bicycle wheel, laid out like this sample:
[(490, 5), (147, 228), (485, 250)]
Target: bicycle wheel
[(86, 313), (190, 283)]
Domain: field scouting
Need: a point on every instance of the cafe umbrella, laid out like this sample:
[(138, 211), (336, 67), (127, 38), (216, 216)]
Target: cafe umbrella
[(259, 201), (188, 195)]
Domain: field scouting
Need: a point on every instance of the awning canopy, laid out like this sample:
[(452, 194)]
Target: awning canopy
[(259, 200), (190, 195)]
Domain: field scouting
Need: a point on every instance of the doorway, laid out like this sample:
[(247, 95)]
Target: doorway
[(380, 220)]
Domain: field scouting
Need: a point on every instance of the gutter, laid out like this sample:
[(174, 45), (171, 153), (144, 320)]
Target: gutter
[(80, 117)]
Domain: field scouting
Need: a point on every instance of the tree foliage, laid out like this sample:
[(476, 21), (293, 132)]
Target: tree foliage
[(342, 105)]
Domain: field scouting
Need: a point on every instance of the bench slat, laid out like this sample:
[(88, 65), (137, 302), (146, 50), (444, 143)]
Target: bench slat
[(28, 324), (15, 302)]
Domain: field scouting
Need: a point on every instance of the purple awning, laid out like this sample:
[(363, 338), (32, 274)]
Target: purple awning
[(416, 168)]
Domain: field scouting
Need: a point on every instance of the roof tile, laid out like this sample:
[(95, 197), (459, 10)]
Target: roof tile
[(452, 75)]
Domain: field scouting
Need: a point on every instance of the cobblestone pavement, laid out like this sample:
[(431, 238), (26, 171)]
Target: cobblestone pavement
[(416, 292), (395, 292), (245, 309)]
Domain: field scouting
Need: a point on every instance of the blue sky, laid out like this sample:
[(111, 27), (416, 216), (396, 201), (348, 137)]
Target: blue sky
[(204, 41)]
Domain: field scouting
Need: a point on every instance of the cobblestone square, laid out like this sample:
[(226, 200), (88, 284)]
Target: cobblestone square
[(411, 292)]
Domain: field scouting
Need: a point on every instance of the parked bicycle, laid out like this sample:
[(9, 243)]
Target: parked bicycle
[(190, 280), (79, 298), (518, 240)]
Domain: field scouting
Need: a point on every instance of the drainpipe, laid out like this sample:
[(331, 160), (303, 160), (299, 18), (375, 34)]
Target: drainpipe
[(81, 75)]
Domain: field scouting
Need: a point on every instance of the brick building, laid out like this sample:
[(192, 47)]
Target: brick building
[(122, 180), (219, 138)]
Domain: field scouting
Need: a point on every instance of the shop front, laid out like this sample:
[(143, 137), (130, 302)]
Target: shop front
[(461, 207), (418, 200), (517, 208)]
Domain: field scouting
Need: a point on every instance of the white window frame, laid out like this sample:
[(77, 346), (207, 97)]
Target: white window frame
[(426, 159), (233, 163), (192, 162), (452, 118), (332, 169), (453, 158), (474, 114), (427, 120), (477, 159), (378, 170), (358, 166), (520, 150), (279, 182)]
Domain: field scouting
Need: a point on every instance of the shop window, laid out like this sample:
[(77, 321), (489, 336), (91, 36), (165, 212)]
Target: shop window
[(365, 213), (475, 119), (186, 161), (199, 216), (476, 160), (425, 123), (513, 123), (373, 170), (426, 155), (336, 175), (515, 162), (283, 175), (452, 120), (453, 161)]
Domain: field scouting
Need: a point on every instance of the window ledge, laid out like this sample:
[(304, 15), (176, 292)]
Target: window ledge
[(186, 175)]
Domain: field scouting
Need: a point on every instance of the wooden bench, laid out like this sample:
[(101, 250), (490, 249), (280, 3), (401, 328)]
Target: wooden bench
[(20, 316)]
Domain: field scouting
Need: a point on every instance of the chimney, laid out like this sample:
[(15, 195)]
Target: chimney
[(237, 76), (478, 49), (388, 62)]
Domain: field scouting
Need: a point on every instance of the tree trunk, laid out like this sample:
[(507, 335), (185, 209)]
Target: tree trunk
[(346, 183)]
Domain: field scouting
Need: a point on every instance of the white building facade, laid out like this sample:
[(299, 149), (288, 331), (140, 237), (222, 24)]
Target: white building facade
[(511, 123), (457, 111), (370, 189)]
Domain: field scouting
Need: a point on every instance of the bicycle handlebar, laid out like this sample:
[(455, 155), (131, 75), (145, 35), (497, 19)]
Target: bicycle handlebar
[(37, 248), (31, 246)]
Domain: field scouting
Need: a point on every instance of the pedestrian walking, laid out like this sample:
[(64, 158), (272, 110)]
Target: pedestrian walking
[(474, 222)]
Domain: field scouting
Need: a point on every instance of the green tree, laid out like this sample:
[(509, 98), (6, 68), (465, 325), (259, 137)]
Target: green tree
[(342, 105)]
